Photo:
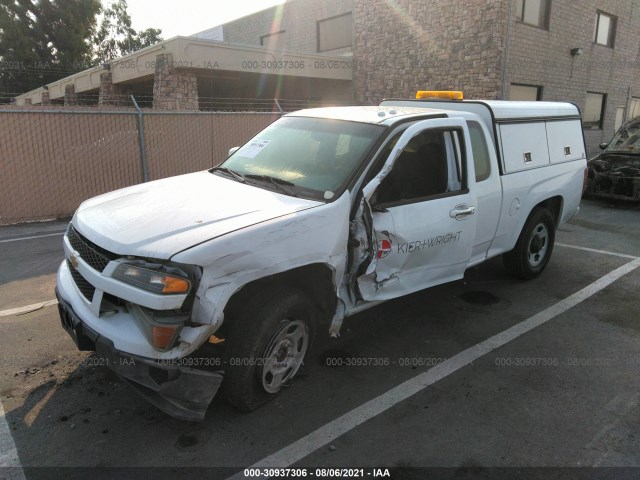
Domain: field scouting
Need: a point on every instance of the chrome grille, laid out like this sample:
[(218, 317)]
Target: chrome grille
[(96, 257)]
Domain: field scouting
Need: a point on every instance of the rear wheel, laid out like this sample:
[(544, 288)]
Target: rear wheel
[(534, 247), (268, 341)]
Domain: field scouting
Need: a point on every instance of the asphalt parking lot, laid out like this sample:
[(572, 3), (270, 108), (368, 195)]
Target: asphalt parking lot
[(485, 372)]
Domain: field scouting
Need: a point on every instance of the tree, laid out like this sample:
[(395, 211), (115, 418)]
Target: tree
[(116, 37), (44, 40)]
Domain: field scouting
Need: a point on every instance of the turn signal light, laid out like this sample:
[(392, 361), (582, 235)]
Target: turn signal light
[(162, 337), (174, 285)]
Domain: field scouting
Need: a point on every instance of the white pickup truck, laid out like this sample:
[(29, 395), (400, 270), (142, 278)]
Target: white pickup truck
[(227, 274)]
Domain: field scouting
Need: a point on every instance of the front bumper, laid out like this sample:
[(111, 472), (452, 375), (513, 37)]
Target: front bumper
[(179, 391)]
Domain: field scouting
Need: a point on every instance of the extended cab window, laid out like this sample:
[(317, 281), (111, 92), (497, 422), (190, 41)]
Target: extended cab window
[(430, 165), (481, 159), (309, 157)]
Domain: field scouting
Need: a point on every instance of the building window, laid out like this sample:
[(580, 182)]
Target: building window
[(530, 93), (605, 31), (274, 41), (634, 108), (335, 32), (533, 12), (594, 110)]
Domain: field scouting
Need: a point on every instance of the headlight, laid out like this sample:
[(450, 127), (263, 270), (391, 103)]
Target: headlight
[(151, 280)]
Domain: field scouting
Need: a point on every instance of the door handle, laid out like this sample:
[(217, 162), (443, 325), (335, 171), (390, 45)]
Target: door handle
[(460, 212)]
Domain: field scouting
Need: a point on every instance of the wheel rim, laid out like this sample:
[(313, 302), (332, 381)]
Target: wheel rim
[(538, 245), (284, 354)]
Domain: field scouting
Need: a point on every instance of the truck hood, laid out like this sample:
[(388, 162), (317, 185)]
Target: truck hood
[(615, 165), (161, 218)]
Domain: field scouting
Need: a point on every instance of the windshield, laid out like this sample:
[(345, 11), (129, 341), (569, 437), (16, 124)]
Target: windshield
[(309, 157), (627, 139)]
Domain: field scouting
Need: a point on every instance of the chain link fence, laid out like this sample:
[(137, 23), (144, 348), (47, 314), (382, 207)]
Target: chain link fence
[(52, 159), (204, 104)]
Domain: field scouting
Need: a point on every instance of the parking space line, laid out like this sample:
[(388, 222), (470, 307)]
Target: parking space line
[(594, 250), (7, 240), (347, 422), (9, 459), (27, 309)]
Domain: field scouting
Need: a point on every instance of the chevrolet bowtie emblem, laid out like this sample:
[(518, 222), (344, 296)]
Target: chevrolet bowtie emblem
[(74, 260)]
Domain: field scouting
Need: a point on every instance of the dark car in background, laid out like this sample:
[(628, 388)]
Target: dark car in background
[(615, 172)]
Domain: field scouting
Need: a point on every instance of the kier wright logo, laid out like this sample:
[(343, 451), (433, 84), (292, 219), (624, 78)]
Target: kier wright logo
[(384, 248)]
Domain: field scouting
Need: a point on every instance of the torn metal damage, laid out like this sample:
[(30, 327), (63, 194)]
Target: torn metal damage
[(614, 176), (615, 172), (180, 391), (392, 247), (323, 214), (364, 229)]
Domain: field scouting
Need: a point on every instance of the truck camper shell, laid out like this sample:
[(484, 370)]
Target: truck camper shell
[(517, 128)]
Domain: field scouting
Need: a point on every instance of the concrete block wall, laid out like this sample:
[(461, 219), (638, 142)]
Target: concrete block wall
[(297, 17), (409, 45), (542, 57)]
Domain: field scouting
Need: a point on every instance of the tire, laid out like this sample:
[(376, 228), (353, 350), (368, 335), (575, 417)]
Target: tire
[(268, 341), (533, 250)]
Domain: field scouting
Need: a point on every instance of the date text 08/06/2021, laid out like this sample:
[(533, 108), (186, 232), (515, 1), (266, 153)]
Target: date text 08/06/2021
[(317, 472)]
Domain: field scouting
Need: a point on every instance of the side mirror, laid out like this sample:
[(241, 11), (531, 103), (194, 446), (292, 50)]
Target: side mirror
[(603, 146), (232, 151)]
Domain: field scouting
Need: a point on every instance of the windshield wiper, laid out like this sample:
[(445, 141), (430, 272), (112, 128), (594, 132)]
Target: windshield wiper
[(233, 173), (278, 182)]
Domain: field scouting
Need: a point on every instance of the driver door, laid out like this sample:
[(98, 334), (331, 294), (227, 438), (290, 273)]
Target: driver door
[(422, 212)]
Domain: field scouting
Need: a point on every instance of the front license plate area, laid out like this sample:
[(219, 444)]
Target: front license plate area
[(74, 327)]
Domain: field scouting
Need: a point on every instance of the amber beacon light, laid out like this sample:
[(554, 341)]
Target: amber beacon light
[(444, 94)]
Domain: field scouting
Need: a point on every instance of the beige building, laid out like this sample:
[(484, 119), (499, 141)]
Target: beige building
[(360, 51)]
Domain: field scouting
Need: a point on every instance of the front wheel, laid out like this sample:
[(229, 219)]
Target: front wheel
[(267, 345), (534, 247)]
